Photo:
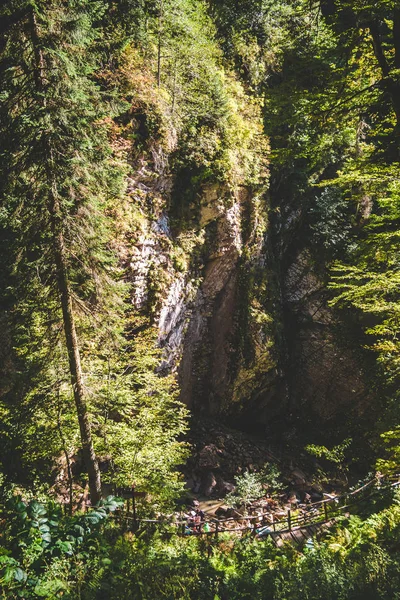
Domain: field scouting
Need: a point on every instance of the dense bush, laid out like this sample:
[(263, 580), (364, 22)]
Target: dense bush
[(88, 557)]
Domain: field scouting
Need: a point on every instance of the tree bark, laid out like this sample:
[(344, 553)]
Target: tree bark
[(160, 32), (67, 459), (60, 262), (377, 44)]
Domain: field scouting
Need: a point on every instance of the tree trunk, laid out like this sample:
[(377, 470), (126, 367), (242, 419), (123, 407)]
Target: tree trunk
[(396, 37), (378, 49), (73, 351), (160, 32), (390, 83), (60, 262), (67, 459)]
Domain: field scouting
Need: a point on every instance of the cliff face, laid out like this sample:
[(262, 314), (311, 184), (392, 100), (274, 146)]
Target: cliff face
[(326, 375), (243, 320), (207, 288), (325, 372), (228, 353), (226, 274)]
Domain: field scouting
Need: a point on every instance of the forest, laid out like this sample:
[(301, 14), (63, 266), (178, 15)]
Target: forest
[(199, 299)]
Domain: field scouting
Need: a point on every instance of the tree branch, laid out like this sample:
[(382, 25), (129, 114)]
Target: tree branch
[(332, 109)]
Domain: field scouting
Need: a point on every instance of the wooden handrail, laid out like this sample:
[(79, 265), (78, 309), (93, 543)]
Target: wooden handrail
[(290, 523)]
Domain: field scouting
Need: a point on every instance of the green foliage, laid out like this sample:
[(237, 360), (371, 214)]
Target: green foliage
[(331, 222), (105, 85), (47, 555), (356, 560), (389, 463), (272, 478), (157, 569), (186, 99), (42, 551), (329, 75), (367, 283), (248, 487), (335, 455), (141, 423), (58, 177), (136, 418), (253, 486)]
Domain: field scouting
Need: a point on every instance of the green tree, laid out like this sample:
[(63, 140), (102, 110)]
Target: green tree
[(381, 22), (57, 177)]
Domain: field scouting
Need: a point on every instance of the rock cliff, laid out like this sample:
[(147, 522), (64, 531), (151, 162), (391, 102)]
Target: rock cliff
[(243, 320), (207, 286)]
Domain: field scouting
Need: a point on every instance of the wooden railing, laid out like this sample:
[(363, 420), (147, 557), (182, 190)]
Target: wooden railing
[(315, 514)]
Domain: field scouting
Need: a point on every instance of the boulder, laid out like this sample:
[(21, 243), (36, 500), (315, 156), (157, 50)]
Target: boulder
[(298, 477), (209, 484), (209, 457), (226, 487)]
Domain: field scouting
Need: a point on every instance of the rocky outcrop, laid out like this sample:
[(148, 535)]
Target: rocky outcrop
[(228, 357), (325, 379), (326, 375), (205, 371), (206, 287), (219, 455)]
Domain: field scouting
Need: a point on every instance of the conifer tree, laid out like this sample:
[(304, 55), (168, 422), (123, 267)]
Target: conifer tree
[(56, 175)]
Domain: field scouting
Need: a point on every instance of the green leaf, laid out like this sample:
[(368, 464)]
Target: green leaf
[(49, 589)]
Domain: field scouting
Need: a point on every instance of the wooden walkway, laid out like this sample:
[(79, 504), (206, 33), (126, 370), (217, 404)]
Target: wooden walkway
[(295, 527)]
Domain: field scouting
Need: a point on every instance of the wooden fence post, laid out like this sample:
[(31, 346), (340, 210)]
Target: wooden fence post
[(255, 528), (289, 520)]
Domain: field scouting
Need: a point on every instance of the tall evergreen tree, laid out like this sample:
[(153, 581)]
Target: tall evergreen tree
[(56, 177)]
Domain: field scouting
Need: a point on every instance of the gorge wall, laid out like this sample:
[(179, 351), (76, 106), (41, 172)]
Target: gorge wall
[(211, 292), (222, 260), (241, 307)]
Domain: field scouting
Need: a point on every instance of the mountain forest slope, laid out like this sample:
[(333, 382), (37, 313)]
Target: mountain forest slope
[(199, 220)]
